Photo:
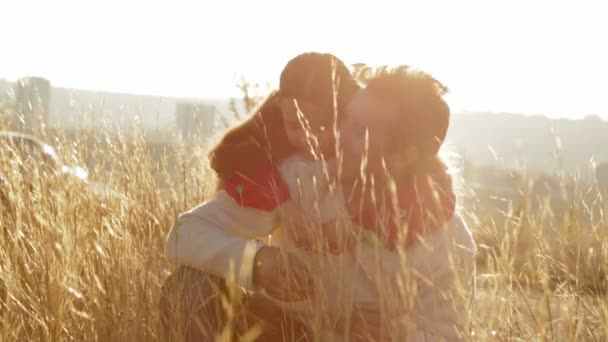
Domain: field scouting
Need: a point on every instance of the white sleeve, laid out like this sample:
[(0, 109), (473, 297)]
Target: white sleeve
[(218, 237)]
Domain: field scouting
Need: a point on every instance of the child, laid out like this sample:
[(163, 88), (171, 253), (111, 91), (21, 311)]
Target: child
[(270, 170), (279, 156)]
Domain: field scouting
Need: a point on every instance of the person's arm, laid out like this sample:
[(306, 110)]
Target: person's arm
[(218, 237)]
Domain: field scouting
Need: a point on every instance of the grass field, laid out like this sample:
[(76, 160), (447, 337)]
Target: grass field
[(79, 265)]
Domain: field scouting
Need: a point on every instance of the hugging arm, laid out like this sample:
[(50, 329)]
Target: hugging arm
[(218, 237)]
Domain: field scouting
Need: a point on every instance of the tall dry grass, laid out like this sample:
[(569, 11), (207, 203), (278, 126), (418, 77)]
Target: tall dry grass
[(79, 262), (84, 265), (542, 266)]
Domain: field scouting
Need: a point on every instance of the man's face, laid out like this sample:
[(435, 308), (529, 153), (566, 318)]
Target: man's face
[(365, 131)]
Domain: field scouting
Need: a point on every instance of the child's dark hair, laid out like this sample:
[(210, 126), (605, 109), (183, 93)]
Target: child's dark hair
[(261, 139), (320, 78)]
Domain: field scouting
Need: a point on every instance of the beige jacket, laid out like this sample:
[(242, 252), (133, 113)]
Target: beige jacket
[(218, 237)]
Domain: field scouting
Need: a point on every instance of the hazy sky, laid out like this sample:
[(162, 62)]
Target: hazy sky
[(525, 56)]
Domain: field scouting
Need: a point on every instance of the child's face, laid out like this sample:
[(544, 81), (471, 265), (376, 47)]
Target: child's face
[(309, 128)]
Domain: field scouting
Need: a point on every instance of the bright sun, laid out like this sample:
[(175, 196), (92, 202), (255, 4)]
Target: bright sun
[(533, 57)]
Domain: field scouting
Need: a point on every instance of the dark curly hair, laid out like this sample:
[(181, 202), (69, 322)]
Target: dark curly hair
[(424, 116)]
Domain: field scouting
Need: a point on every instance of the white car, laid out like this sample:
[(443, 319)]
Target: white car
[(28, 160), (31, 152)]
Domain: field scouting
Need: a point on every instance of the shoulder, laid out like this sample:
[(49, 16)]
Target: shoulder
[(460, 232), (457, 222), (224, 211)]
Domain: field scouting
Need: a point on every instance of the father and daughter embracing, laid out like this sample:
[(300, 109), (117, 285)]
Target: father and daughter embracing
[(334, 218)]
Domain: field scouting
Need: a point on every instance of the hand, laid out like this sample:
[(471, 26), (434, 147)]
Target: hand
[(263, 306), (282, 275), (330, 237)]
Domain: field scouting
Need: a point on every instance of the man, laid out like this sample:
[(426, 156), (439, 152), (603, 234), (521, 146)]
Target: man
[(402, 193), (399, 192)]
